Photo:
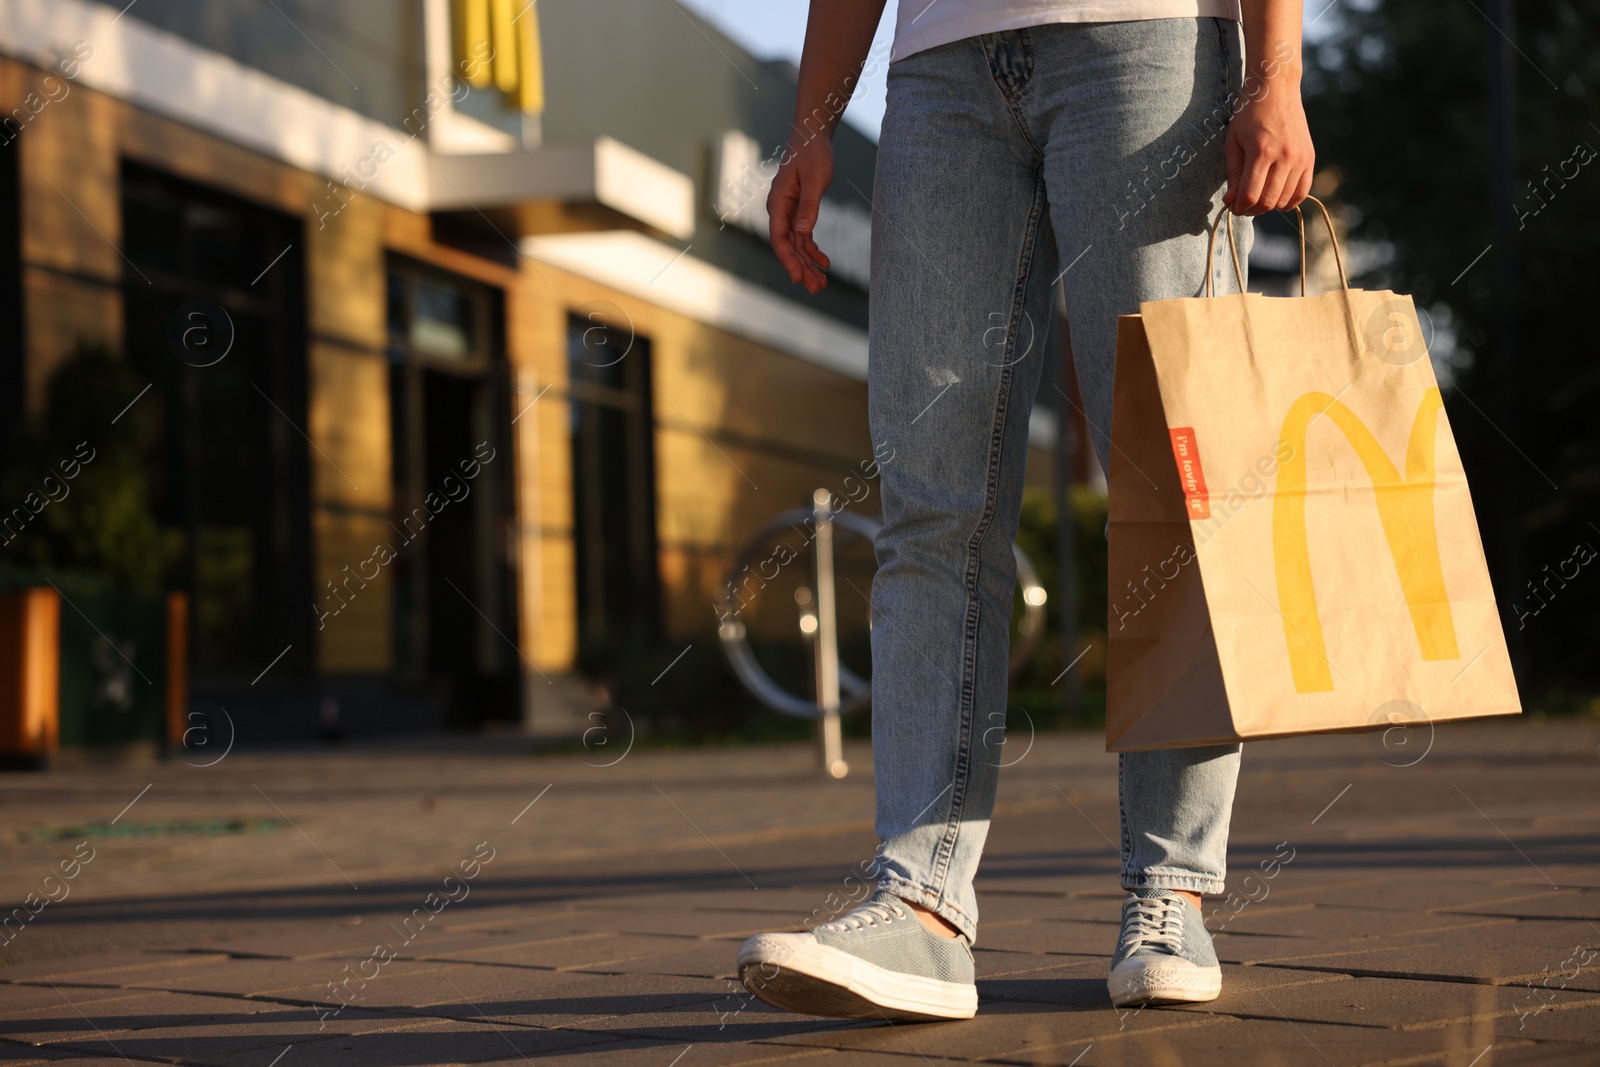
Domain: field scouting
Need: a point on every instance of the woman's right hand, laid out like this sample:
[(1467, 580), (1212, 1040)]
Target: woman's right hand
[(792, 206)]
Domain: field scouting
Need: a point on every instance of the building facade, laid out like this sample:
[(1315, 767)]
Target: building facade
[(465, 362)]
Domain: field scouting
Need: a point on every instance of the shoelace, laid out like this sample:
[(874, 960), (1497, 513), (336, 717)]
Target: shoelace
[(1156, 921), (878, 912)]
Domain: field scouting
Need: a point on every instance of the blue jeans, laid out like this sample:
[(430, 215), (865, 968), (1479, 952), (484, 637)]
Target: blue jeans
[(1089, 153)]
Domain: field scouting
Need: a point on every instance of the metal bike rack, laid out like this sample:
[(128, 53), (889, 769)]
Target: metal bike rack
[(840, 690)]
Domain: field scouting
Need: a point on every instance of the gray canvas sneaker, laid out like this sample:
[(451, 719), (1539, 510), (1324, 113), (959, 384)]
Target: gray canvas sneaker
[(878, 961), (1164, 954)]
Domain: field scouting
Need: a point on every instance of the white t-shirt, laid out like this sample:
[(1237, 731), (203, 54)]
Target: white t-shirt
[(923, 24)]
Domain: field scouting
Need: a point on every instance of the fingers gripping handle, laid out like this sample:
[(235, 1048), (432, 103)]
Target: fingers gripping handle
[(1333, 237)]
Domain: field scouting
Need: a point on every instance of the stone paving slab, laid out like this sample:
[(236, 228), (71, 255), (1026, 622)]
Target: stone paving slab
[(1403, 892), (1545, 1052), (594, 1002), (1513, 952), (998, 908), (655, 1053), (1419, 904), (1399, 1003), (573, 951), (427, 1042), (716, 1021), (1267, 1043), (1353, 928), (1003, 1028), (123, 1012), (710, 923), (22, 1000), (1568, 904), (113, 970), (1070, 938), (355, 940), (637, 955), (1540, 1018), (169, 1026), (546, 953), (993, 964), (1030, 977), (773, 901), (251, 976), (1565, 876)]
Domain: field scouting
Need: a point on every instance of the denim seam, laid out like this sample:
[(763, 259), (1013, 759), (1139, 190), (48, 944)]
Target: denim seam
[(1156, 878), (968, 697), (1008, 98), (1222, 56), (1220, 260), (1122, 811), (1225, 68)]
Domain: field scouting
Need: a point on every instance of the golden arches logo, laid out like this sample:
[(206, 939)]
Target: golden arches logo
[(497, 43), (1405, 508)]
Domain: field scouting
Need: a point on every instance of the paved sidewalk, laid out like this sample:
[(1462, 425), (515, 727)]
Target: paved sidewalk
[(468, 903)]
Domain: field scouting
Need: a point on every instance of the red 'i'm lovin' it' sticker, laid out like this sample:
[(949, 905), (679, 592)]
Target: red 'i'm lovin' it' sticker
[(1186, 450)]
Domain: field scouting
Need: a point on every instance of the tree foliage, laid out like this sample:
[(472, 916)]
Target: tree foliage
[(80, 505)]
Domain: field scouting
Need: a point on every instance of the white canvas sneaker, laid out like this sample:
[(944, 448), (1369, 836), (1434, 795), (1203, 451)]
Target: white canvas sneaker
[(1164, 953), (878, 961)]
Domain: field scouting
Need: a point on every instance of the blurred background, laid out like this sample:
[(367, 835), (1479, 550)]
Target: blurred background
[(377, 368)]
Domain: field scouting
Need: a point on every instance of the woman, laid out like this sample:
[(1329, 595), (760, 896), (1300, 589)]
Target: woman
[(1025, 142)]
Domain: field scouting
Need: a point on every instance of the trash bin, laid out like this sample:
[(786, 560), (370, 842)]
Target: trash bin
[(99, 671), (113, 671), (30, 643)]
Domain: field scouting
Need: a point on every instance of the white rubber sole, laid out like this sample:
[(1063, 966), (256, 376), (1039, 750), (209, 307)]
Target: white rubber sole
[(796, 973), (1170, 981)]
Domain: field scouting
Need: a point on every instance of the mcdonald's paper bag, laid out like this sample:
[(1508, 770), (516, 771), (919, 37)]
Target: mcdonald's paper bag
[(1293, 545)]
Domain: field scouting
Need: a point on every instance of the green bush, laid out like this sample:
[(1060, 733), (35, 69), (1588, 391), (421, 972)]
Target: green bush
[(95, 526)]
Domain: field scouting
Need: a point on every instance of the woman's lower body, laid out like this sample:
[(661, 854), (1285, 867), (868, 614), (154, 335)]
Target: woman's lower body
[(1089, 154), (1085, 154)]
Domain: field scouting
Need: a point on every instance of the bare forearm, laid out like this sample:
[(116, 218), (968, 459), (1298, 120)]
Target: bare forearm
[(1272, 43), (1269, 152), (838, 37)]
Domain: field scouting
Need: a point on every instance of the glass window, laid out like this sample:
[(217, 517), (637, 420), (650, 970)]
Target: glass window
[(227, 467), (613, 490), (442, 321)]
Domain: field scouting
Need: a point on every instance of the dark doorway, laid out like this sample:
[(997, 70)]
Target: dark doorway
[(613, 491), (455, 625), (227, 458)]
